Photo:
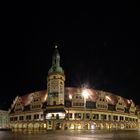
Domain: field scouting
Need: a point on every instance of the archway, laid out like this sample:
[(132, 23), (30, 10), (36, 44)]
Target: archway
[(43, 126), (19, 126), (65, 126), (71, 126), (93, 126), (101, 126), (36, 126), (24, 126), (58, 126), (30, 126), (16, 126), (79, 126), (122, 126), (112, 126), (106, 125)]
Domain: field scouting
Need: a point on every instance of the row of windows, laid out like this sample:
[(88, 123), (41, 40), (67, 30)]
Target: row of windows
[(28, 117), (78, 97), (96, 117), (90, 104), (56, 77), (101, 106), (36, 106), (18, 109), (120, 109), (132, 112), (120, 103), (18, 104), (53, 94), (36, 100), (102, 99)]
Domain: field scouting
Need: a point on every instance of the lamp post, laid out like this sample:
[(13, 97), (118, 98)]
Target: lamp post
[(85, 95), (70, 97)]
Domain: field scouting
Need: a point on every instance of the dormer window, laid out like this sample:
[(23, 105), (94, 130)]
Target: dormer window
[(101, 102), (120, 106), (132, 108), (36, 102), (18, 106)]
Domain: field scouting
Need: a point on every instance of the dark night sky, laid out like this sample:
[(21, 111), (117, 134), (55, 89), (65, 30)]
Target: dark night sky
[(98, 44)]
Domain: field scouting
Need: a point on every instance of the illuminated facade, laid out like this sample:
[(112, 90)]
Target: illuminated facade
[(61, 107), (4, 119)]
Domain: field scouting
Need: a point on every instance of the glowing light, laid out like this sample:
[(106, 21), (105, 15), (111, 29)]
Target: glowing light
[(45, 97), (49, 114), (128, 101), (72, 126), (122, 126), (61, 114), (44, 125), (93, 126), (85, 93), (79, 126), (108, 98), (70, 96)]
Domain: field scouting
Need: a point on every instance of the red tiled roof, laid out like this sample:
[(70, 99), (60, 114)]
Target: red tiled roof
[(26, 99), (93, 96)]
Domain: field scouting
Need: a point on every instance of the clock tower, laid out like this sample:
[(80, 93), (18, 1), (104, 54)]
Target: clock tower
[(55, 81)]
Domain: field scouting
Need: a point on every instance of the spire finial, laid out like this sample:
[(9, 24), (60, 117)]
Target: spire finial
[(56, 46)]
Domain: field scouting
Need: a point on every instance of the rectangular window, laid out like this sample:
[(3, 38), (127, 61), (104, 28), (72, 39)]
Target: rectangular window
[(20, 118), (11, 118), (115, 118), (77, 115), (28, 117), (42, 116), (109, 117), (126, 118), (95, 116), (87, 115), (49, 122), (70, 115), (121, 118), (36, 116), (15, 118), (103, 117)]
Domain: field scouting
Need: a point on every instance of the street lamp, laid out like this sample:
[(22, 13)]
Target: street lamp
[(70, 97), (85, 95)]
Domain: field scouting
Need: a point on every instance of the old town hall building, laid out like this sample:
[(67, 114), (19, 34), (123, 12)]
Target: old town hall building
[(61, 107)]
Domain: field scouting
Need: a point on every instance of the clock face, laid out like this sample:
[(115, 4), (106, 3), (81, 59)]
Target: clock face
[(54, 85)]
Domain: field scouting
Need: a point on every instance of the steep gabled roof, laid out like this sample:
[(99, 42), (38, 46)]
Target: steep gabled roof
[(93, 96)]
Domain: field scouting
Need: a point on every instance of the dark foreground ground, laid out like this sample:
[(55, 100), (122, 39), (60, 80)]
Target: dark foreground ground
[(71, 135)]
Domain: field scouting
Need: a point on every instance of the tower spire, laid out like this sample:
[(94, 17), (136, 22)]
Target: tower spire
[(55, 80), (56, 61)]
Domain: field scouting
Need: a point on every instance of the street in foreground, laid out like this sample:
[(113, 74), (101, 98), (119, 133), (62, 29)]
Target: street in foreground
[(71, 135)]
